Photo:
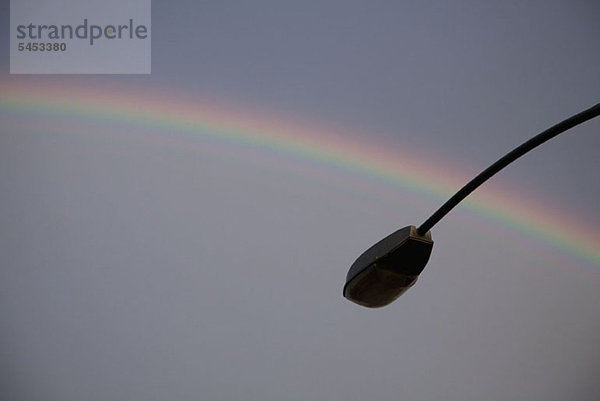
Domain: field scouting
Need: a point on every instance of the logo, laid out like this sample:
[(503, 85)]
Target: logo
[(75, 37)]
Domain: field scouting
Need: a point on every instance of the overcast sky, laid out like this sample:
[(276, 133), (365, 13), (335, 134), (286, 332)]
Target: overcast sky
[(135, 271)]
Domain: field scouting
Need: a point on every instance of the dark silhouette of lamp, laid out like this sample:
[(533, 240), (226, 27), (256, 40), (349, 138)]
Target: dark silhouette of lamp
[(391, 266)]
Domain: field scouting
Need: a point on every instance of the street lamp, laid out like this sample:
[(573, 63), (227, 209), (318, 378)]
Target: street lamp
[(391, 266)]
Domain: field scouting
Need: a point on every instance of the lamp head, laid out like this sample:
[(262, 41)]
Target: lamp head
[(389, 268)]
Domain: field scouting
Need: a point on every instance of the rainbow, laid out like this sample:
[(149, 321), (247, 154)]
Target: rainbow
[(311, 144)]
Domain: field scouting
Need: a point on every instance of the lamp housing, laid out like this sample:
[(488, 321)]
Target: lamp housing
[(388, 268)]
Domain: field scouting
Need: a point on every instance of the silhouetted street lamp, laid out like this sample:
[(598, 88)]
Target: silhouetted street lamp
[(391, 266)]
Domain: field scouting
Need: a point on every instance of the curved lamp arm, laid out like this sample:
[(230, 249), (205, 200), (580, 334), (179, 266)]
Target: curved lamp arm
[(505, 161)]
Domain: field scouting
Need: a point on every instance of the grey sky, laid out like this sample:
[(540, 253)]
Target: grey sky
[(135, 272)]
